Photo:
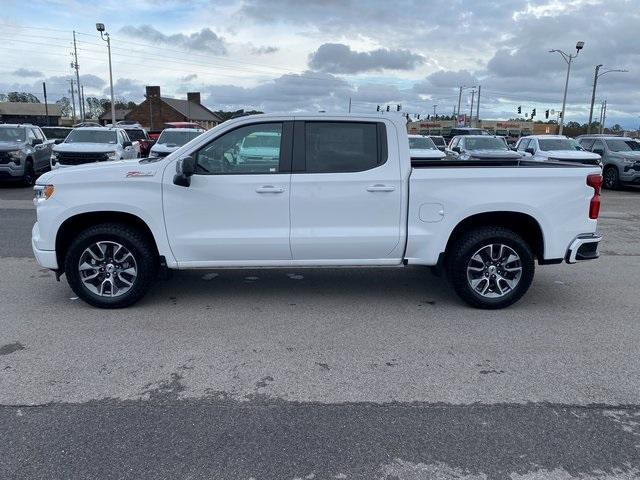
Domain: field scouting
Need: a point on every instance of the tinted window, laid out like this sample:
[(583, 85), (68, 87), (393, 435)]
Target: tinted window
[(422, 143), (488, 143), (250, 149), (623, 145), (598, 145), (438, 140), (340, 146), (547, 144), (136, 134), (586, 143), (522, 146), (92, 136), (12, 134)]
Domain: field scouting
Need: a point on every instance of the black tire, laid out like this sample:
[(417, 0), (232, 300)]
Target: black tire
[(132, 239), (467, 245), (29, 177), (611, 178)]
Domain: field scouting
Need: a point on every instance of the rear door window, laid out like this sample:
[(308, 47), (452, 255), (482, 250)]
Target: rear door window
[(340, 147)]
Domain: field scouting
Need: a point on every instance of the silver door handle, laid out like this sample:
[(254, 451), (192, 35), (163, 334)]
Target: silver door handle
[(269, 189), (380, 188)]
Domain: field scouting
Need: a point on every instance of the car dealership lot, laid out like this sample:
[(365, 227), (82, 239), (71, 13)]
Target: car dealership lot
[(345, 373)]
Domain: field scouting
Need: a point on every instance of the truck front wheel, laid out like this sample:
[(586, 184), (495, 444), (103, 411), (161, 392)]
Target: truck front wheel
[(490, 267), (110, 265)]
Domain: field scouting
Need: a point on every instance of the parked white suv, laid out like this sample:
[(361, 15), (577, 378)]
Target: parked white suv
[(172, 139), (93, 144), (556, 148), (423, 148), (325, 190)]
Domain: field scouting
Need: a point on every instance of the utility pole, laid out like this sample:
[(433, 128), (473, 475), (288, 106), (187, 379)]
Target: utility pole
[(74, 65), (84, 112), (349, 104), (604, 116), (459, 100), (473, 94), (434, 111), (73, 102), (600, 117), (478, 105), (46, 107)]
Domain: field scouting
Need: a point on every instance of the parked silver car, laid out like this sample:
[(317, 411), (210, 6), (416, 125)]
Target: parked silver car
[(24, 152), (620, 158)]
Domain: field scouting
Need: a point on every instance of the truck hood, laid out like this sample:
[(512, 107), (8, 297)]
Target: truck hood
[(426, 153), (99, 172), (571, 155), (10, 146), (488, 154), (86, 147), (165, 147)]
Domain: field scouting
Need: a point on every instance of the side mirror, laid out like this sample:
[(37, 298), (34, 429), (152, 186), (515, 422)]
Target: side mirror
[(530, 151), (58, 141), (456, 149), (36, 141), (599, 151), (126, 144), (185, 168)]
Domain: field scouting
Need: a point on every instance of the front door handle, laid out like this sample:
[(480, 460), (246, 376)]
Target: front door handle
[(269, 189), (380, 188)]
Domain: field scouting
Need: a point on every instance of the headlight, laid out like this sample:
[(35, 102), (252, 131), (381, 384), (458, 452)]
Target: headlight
[(628, 160), (43, 192), (112, 155), (15, 157)]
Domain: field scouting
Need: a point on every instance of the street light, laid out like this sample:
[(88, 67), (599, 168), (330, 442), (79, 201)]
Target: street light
[(567, 58), (596, 76), (100, 28)]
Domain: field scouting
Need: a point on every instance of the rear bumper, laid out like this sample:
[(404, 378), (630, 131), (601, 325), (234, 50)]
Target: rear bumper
[(583, 247)]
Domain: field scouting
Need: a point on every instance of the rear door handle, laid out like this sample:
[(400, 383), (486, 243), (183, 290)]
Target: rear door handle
[(380, 188), (269, 189)]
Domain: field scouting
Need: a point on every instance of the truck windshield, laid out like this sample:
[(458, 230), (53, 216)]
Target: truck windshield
[(10, 134), (177, 138), (92, 136), (623, 145), (489, 143), (423, 143), (558, 144)]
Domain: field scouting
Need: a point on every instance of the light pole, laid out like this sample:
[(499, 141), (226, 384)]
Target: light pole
[(434, 111), (596, 76), (567, 58), (103, 34)]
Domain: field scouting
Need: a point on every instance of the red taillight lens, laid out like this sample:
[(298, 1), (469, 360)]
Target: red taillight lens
[(595, 182)]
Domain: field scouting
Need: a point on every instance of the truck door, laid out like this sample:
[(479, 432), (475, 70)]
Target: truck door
[(346, 192), (236, 209)]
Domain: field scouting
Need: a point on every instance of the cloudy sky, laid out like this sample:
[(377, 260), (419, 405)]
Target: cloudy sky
[(297, 55)]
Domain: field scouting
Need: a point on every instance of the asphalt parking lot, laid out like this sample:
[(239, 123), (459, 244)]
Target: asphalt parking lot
[(346, 373)]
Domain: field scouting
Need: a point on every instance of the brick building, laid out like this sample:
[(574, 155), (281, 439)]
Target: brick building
[(157, 110)]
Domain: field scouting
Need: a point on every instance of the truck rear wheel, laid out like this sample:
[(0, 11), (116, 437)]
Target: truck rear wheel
[(110, 265), (490, 267)]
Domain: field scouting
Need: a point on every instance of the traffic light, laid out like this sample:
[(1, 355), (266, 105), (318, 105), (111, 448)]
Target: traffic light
[(387, 108), (428, 117), (398, 107), (533, 113), (377, 108), (519, 110), (418, 116), (546, 114)]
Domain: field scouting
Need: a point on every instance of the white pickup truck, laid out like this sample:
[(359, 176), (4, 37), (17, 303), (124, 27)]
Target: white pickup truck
[(333, 191)]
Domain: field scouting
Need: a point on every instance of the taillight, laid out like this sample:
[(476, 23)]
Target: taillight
[(595, 182)]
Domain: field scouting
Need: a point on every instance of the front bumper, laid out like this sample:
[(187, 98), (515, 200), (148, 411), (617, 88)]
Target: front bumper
[(45, 258), (11, 172), (583, 247)]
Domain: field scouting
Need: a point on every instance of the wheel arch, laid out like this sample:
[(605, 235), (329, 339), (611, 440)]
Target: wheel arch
[(73, 225), (521, 223)]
